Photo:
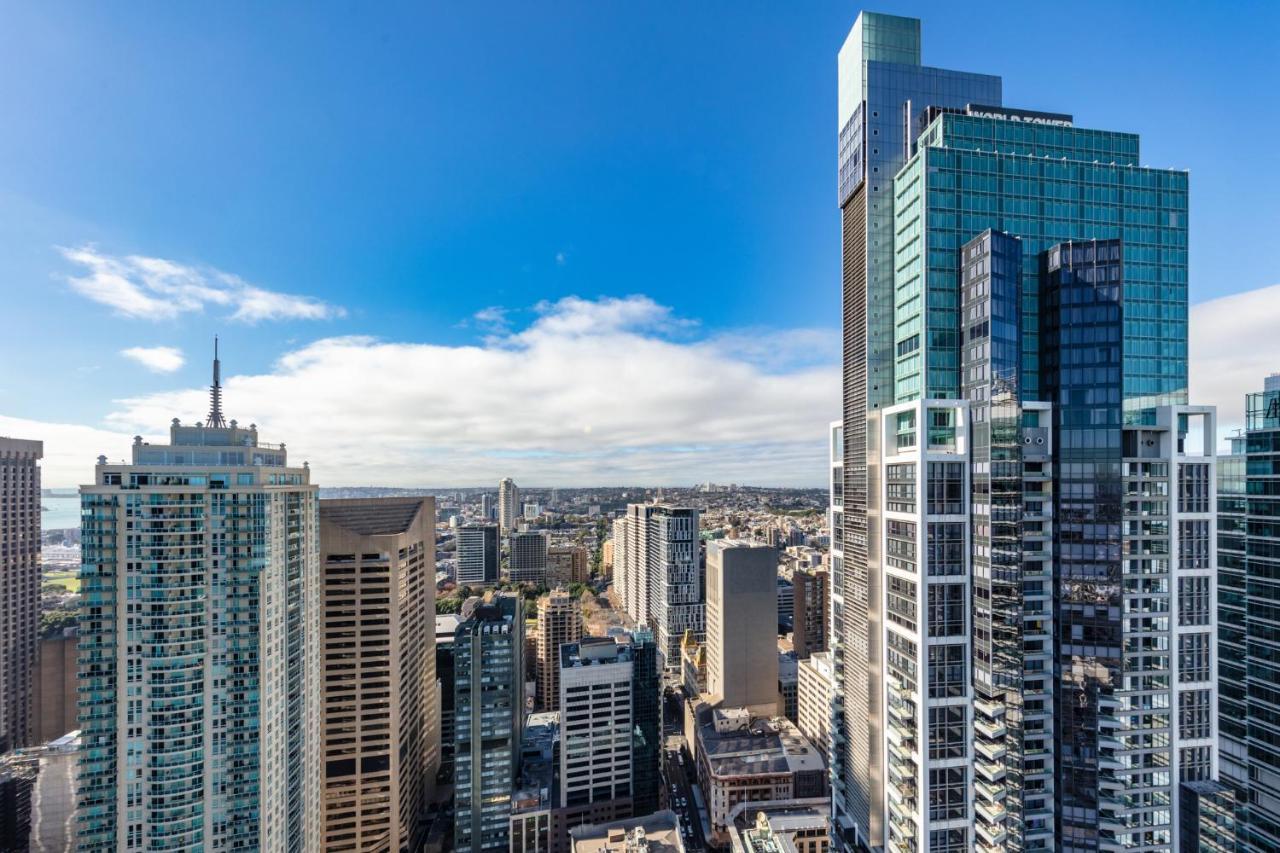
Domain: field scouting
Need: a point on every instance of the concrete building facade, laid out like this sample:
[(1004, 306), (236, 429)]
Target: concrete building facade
[(559, 622), (742, 758), (54, 702), (380, 712), (810, 611), (742, 653), (567, 564), (19, 585), (595, 721), (815, 685)]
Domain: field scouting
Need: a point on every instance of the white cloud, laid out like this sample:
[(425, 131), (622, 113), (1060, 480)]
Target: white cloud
[(561, 259), (606, 391), (70, 450), (1235, 345), (602, 391), (156, 359), (492, 319), (159, 289)]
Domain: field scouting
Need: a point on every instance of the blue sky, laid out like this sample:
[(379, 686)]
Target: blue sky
[(399, 169)]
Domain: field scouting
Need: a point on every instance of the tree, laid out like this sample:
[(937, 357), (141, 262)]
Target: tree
[(448, 605), (53, 621)]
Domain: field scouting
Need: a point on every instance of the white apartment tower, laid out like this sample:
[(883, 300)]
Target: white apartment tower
[(656, 548), (508, 504)]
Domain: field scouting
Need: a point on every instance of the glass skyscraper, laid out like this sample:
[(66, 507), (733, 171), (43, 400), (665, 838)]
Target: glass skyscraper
[(199, 649), (488, 690), (1249, 564), (1026, 498)]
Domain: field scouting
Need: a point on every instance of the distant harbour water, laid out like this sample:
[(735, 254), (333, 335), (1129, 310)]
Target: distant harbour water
[(60, 509)]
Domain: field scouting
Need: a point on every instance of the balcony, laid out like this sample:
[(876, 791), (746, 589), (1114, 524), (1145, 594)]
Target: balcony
[(991, 750), (992, 771), (991, 729)]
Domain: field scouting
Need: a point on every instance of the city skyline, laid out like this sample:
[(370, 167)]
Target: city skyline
[(731, 305), (954, 522)]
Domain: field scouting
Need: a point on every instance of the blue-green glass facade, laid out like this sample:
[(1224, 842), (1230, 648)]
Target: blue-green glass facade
[(1046, 184), (883, 89)]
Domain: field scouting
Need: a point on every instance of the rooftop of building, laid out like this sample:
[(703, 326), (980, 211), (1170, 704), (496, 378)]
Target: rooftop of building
[(657, 833), (536, 785), (446, 626), (771, 827), (736, 743), (373, 516), (732, 542), (497, 614), (594, 651)]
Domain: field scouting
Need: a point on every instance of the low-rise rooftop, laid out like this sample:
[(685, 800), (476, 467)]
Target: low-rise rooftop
[(737, 744)]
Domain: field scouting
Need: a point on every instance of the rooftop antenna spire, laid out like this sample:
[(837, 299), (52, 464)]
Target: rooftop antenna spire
[(215, 392)]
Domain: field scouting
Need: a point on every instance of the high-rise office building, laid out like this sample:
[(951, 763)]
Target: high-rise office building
[(487, 511), (379, 716), (810, 611), (478, 555), (559, 622), (528, 559), (200, 675), (657, 550), (646, 722), (488, 666), (19, 585), (595, 721), (446, 628), (742, 651), (881, 87), (1015, 303), (1248, 563), (508, 504)]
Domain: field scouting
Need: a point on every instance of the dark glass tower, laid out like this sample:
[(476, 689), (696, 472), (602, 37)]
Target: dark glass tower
[(1249, 665), (1082, 368), (646, 713)]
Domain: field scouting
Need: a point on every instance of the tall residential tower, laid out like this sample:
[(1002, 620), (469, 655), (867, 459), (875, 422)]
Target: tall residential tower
[(199, 646), (19, 585), (508, 504), (657, 565)]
